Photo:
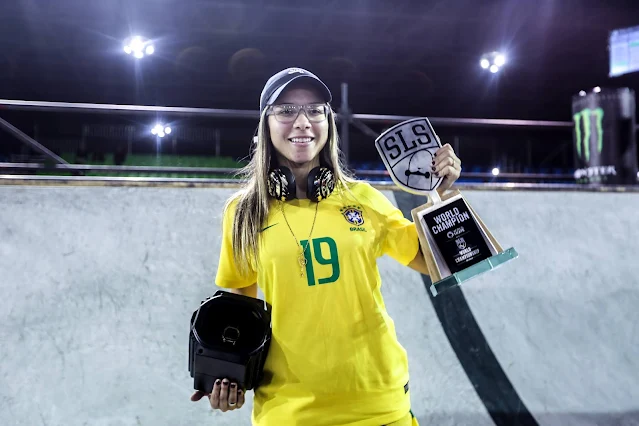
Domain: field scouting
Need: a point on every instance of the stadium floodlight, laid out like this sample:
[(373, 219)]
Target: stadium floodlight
[(160, 130), (138, 47), (495, 171), (597, 89), (492, 61)]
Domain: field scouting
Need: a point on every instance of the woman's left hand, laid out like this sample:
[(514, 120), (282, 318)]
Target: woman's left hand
[(448, 166)]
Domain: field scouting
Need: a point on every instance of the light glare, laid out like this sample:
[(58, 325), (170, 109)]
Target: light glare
[(136, 43), (161, 130), (138, 47), (492, 61)]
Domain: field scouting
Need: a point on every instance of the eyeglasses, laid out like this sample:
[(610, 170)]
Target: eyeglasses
[(288, 113)]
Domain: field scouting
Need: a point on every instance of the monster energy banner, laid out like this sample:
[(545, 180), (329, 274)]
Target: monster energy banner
[(604, 136)]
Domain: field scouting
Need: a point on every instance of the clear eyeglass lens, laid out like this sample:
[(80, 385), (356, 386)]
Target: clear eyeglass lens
[(289, 113)]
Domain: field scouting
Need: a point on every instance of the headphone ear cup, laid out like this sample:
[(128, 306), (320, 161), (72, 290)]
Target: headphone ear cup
[(281, 184), (320, 183)]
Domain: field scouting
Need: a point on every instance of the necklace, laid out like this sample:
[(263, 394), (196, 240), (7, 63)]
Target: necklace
[(301, 258)]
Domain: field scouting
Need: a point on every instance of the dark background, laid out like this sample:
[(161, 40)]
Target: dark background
[(401, 57)]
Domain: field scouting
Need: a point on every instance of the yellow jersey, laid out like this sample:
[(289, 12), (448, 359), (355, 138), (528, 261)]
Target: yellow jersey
[(334, 357)]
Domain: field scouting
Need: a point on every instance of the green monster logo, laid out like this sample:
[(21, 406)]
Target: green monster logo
[(586, 116)]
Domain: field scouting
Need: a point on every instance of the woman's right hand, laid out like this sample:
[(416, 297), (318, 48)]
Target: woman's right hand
[(225, 396)]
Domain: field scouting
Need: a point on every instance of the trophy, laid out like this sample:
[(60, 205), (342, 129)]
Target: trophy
[(456, 244)]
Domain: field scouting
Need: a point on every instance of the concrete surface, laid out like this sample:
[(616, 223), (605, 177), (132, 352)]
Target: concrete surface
[(98, 285)]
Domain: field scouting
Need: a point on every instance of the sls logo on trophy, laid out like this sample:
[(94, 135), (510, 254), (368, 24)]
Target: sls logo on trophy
[(408, 151), (456, 244)]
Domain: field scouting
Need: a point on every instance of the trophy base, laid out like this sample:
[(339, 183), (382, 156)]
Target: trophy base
[(471, 272)]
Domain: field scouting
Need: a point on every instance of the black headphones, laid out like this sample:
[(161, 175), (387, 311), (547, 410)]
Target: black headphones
[(319, 185)]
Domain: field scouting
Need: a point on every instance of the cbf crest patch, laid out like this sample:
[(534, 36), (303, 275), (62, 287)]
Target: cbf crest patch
[(353, 215)]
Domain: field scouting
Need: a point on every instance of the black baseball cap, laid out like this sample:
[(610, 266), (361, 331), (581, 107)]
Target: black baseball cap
[(277, 83)]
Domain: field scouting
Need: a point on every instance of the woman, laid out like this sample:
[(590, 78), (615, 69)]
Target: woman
[(309, 235)]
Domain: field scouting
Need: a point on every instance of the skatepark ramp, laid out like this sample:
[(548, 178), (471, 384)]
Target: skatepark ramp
[(99, 280)]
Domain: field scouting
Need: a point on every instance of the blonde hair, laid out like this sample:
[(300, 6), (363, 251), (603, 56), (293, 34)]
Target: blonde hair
[(253, 199)]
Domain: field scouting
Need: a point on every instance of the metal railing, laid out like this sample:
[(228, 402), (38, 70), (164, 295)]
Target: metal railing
[(230, 174), (344, 115)]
